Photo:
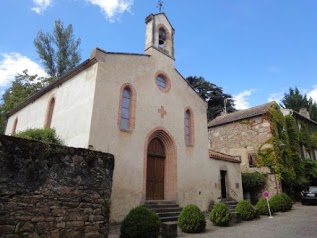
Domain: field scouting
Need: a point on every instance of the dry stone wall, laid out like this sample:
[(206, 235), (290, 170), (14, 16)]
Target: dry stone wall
[(53, 191)]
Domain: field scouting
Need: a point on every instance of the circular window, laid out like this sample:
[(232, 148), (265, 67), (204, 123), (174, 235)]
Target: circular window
[(163, 82)]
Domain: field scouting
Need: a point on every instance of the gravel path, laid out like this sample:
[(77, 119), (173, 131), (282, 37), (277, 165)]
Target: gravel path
[(300, 222)]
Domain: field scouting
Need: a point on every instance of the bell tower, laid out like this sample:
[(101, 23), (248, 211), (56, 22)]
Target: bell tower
[(159, 35)]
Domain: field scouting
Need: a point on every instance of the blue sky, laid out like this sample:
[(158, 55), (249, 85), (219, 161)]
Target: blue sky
[(254, 50)]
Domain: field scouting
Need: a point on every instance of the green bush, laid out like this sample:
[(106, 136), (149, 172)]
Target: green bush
[(261, 206), (46, 135), (220, 215), (281, 203), (253, 182), (246, 210), (191, 219), (140, 223)]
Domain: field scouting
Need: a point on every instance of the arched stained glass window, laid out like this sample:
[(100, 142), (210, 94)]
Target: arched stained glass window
[(125, 109), (189, 127)]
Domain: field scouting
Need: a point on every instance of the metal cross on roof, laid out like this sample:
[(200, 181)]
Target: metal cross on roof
[(160, 5)]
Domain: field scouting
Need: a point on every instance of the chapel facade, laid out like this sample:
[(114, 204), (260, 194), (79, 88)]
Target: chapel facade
[(139, 108)]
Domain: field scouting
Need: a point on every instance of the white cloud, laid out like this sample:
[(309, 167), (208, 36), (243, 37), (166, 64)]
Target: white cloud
[(14, 63), (240, 99), (277, 97), (112, 8), (41, 5), (313, 93)]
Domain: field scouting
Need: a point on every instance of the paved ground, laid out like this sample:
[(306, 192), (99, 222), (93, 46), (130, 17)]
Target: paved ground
[(300, 222)]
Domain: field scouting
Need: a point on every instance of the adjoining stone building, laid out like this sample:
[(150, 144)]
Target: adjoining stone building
[(242, 133), (139, 108)]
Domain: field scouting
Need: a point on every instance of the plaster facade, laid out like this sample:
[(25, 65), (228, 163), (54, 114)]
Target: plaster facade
[(72, 111), (87, 114)]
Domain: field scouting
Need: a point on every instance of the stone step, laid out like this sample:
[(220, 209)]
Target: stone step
[(160, 202), (169, 219), (168, 214), (158, 206), (168, 211)]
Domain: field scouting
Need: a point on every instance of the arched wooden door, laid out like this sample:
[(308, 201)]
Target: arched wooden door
[(155, 170)]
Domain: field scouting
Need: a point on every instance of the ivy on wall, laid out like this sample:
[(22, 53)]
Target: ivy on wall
[(281, 153)]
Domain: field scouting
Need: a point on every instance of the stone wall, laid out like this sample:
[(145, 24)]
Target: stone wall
[(53, 191), (241, 138)]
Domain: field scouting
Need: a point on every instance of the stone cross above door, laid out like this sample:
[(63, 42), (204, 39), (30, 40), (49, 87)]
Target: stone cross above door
[(162, 111)]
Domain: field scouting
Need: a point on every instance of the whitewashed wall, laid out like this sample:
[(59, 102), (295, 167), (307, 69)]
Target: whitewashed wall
[(72, 111)]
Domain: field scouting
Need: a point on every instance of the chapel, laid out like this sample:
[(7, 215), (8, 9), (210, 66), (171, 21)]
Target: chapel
[(139, 108)]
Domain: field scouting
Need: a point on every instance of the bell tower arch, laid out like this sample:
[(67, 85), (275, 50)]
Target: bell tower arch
[(159, 35)]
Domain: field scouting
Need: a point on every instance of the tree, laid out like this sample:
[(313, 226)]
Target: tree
[(213, 95), (59, 52), (295, 100), (23, 87)]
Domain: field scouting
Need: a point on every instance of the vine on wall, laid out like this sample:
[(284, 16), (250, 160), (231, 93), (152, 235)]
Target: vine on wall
[(281, 153)]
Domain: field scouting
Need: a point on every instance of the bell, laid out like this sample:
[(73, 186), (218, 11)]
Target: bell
[(162, 37)]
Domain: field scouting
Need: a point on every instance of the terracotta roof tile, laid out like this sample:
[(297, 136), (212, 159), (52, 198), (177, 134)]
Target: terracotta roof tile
[(240, 115), (221, 156)]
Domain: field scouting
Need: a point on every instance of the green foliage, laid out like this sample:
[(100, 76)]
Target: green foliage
[(271, 156), (59, 52), (261, 206), (220, 215), (253, 182), (140, 223), (213, 95), (280, 203), (23, 87), (246, 210), (191, 219), (295, 100), (46, 135), (310, 168), (282, 157)]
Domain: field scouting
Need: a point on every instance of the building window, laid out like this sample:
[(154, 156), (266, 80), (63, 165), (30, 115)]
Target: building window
[(252, 160), (49, 114), (14, 128), (126, 118), (189, 127), (162, 81), (125, 109)]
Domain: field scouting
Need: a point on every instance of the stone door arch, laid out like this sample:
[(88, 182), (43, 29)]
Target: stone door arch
[(161, 135)]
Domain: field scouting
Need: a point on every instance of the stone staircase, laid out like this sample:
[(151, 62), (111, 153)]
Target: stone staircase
[(231, 203), (168, 211)]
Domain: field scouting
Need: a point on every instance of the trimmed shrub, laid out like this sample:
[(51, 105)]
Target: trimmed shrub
[(281, 203), (261, 206), (191, 219), (246, 210), (220, 215), (140, 223), (46, 135)]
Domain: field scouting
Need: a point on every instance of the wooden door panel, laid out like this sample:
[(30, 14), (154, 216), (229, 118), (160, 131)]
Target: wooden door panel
[(155, 170)]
